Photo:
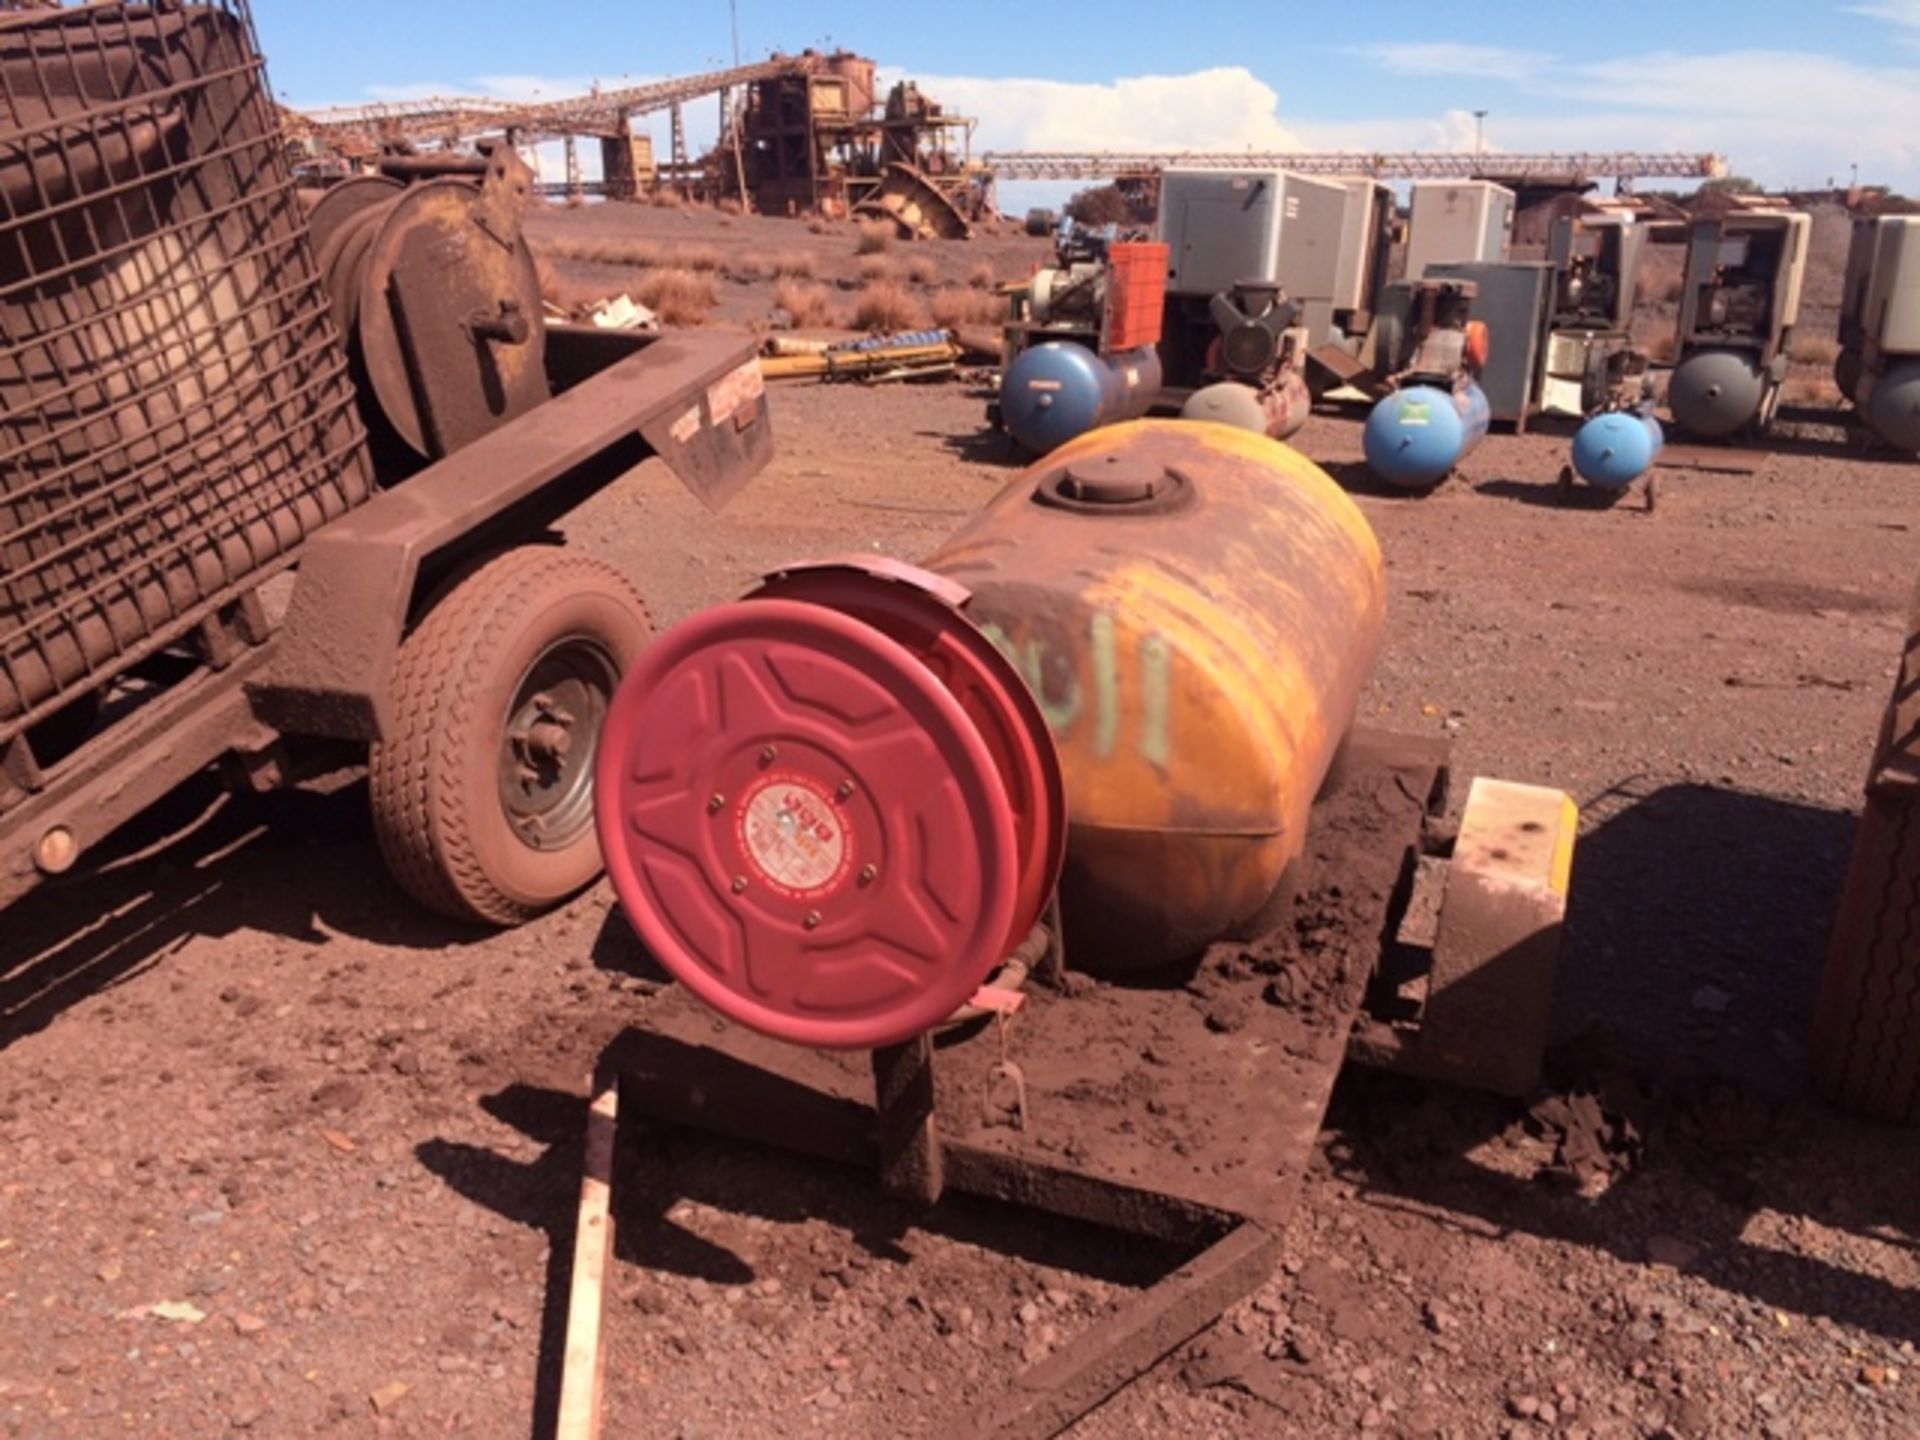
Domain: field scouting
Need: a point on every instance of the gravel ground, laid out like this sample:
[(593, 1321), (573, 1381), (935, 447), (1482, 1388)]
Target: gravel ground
[(286, 1157)]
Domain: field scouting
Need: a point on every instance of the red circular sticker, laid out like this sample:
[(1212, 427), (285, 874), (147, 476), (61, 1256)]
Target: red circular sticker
[(793, 835)]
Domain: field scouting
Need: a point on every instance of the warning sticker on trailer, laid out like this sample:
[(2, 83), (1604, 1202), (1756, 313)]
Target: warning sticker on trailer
[(734, 390), (793, 835), (687, 426)]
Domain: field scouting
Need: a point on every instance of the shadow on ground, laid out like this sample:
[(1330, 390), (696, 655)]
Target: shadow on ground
[(295, 863), (1685, 990)]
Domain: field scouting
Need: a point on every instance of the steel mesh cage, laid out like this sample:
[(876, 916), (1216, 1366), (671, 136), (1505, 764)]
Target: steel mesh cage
[(175, 409)]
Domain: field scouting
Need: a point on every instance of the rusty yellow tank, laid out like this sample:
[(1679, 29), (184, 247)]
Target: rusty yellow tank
[(1196, 608)]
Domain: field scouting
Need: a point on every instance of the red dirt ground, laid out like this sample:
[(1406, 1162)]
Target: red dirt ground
[(286, 1157)]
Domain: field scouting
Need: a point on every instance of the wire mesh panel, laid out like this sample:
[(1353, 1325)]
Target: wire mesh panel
[(175, 410)]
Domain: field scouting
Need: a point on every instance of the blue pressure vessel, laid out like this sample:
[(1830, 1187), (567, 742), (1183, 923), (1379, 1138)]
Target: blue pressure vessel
[(1416, 435), (1614, 449), (1057, 390)]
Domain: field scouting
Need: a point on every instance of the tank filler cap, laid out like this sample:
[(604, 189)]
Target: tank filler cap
[(1113, 482)]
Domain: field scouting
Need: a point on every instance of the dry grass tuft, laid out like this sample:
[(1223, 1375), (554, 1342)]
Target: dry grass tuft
[(727, 205), (569, 292), (952, 306), (748, 266), (980, 277), (875, 238), (601, 249), (666, 198), (886, 305), (1806, 390), (818, 225), (1813, 350), (698, 257), (877, 267), (921, 270), (678, 297), (793, 262), (810, 305)]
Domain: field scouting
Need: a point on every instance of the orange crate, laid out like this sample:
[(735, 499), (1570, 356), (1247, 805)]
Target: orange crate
[(1136, 293)]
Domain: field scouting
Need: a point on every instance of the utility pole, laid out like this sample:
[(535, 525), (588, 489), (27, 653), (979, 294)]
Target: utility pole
[(733, 13), (1478, 116)]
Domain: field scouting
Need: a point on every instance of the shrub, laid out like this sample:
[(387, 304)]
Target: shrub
[(793, 262), (886, 305), (876, 267), (921, 270), (678, 297), (600, 249), (875, 238), (810, 305), (980, 277), (951, 307), (749, 266), (818, 225), (1813, 350)]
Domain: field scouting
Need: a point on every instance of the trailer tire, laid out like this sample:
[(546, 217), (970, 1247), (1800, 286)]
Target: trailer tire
[(1866, 1032), (483, 794)]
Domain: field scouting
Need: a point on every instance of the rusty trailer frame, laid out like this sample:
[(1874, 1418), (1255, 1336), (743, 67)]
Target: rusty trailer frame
[(324, 670), (1474, 1012)]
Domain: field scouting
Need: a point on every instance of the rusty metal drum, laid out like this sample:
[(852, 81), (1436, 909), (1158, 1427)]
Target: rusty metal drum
[(1195, 608)]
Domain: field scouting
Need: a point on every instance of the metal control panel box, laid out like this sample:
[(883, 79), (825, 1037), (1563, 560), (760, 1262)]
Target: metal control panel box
[(1514, 299), (1225, 226), (1881, 302), (1457, 220)]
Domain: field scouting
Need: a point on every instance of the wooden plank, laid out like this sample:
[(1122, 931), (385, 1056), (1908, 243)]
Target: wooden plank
[(583, 1365), (909, 1166), (1048, 1398)]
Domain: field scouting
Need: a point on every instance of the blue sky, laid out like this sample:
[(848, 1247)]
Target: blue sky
[(1791, 93)]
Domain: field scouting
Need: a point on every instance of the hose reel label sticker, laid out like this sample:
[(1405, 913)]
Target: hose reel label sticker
[(794, 836)]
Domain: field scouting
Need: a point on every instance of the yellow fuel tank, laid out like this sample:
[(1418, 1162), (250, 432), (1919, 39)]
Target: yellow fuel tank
[(1196, 608)]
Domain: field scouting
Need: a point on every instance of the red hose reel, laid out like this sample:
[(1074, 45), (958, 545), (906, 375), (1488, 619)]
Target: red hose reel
[(831, 808)]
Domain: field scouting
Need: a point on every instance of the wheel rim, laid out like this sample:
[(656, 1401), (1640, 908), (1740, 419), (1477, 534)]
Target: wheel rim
[(547, 742)]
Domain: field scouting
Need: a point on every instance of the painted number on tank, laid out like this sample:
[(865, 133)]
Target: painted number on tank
[(1078, 684)]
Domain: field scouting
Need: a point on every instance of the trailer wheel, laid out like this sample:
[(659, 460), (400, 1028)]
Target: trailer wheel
[(1866, 1031), (483, 795)]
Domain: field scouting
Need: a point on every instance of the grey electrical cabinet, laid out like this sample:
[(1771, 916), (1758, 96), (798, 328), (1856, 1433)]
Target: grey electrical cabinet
[(1515, 302), (1225, 226)]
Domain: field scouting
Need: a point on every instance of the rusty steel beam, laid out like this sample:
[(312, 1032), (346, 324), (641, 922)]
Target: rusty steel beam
[(1574, 166)]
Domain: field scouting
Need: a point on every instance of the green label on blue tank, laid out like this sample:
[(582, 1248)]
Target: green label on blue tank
[(1415, 412)]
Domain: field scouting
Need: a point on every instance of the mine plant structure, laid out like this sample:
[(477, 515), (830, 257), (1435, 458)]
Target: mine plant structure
[(798, 133)]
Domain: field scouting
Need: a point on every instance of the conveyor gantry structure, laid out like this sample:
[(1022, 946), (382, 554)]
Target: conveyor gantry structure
[(447, 119), (1554, 168)]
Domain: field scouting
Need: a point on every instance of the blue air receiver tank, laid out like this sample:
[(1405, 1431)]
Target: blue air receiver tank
[(1416, 435), (1057, 390)]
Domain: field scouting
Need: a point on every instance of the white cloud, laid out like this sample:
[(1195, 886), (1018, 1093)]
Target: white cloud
[(1228, 108), (1786, 118), (1441, 57), (1895, 12)]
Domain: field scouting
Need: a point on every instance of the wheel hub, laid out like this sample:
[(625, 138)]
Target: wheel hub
[(546, 755)]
